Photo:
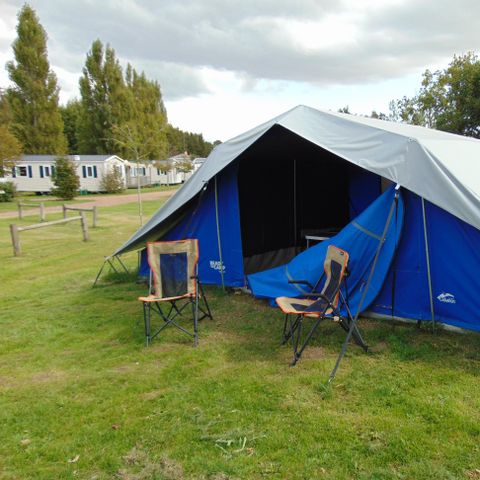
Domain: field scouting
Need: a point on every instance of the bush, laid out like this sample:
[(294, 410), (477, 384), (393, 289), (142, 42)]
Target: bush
[(112, 181), (65, 179), (9, 191)]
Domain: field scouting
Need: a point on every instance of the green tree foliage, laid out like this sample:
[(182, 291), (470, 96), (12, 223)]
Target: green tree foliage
[(10, 150), (448, 99), (104, 100), (119, 114), (8, 191), (36, 119), (65, 179), (5, 109), (71, 113), (184, 166), (112, 181), (193, 143), (144, 134)]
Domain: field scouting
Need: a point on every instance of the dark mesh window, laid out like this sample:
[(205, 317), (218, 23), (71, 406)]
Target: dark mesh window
[(174, 274)]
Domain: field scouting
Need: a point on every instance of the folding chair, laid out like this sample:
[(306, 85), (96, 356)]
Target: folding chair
[(319, 305), (174, 268)]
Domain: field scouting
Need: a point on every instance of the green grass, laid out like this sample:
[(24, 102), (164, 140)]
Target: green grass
[(77, 383), (51, 201)]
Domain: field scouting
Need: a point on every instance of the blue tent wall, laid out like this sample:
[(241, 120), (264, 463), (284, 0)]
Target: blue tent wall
[(201, 223), (454, 264), (454, 252), (407, 281)]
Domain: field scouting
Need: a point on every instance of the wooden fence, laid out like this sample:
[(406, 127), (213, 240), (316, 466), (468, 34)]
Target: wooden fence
[(78, 209), (31, 205), (15, 230)]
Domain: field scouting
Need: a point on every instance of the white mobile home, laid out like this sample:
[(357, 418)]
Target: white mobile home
[(33, 173), (165, 172)]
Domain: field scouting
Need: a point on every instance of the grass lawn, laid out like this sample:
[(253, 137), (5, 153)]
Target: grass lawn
[(52, 201), (82, 398)]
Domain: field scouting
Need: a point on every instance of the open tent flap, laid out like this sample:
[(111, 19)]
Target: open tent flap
[(360, 238)]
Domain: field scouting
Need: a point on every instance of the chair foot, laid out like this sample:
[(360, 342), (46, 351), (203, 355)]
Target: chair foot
[(296, 358)]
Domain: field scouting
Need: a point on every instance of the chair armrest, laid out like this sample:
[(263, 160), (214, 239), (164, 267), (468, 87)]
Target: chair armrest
[(302, 282)]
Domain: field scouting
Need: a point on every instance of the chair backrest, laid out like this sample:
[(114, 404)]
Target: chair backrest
[(335, 264), (174, 267)]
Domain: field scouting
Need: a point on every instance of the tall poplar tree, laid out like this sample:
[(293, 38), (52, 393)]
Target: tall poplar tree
[(144, 133), (36, 119), (104, 98)]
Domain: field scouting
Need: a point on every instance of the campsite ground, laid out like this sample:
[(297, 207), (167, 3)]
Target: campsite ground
[(81, 397)]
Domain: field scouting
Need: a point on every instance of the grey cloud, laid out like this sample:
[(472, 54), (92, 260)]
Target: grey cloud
[(172, 39)]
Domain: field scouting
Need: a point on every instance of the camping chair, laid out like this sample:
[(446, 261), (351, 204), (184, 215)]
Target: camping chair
[(174, 268), (319, 305)]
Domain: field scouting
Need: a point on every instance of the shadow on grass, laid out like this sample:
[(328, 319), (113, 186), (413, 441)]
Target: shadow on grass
[(250, 330)]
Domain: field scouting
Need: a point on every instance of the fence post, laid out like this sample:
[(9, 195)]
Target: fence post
[(42, 212), (94, 210), (84, 226), (15, 239), (20, 213), (64, 211)]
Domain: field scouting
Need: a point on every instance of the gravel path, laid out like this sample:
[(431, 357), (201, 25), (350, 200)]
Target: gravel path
[(98, 200)]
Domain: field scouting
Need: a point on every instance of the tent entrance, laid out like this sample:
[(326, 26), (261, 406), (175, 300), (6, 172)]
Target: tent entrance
[(290, 188)]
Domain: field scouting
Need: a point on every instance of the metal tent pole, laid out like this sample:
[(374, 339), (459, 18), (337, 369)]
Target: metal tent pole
[(218, 234), (295, 202), (427, 256), (367, 286)]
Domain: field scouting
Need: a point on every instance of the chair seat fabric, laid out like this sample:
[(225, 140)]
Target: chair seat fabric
[(154, 298), (299, 306)]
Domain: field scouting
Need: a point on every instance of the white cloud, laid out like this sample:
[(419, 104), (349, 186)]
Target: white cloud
[(224, 65)]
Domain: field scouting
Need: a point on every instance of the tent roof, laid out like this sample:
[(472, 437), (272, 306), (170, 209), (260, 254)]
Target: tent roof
[(441, 167)]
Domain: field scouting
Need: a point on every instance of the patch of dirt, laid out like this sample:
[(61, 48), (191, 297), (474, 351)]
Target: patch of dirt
[(34, 379), (314, 353), (152, 395), (139, 466), (473, 474), (378, 348), (99, 201)]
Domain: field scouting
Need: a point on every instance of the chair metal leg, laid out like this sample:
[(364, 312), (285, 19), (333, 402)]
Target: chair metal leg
[(146, 321), (208, 312), (285, 337), (298, 333), (195, 320)]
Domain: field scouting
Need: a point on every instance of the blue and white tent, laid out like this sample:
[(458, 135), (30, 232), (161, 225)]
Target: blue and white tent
[(316, 173)]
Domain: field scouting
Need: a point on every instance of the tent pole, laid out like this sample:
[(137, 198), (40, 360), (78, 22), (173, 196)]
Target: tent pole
[(295, 202), (427, 256), (218, 234), (367, 286)]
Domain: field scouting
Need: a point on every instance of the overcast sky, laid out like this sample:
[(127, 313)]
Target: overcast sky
[(225, 66)]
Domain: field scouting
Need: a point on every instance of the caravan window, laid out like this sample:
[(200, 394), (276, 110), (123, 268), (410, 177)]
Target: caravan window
[(22, 171)]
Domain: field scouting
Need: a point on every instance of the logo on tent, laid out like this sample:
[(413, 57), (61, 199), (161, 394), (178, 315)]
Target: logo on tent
[(217, 265), (447, 298)]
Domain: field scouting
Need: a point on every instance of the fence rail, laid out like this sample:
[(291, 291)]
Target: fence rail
[(79, 209), (40, 205), (15, 230)]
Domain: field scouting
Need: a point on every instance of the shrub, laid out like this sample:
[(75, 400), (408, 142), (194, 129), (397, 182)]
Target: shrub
[(9, 191), (65, 179), (112, 181)]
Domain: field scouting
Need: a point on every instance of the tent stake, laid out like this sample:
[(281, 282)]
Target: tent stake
[(218, 235), (427, 256), (367, 286)]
